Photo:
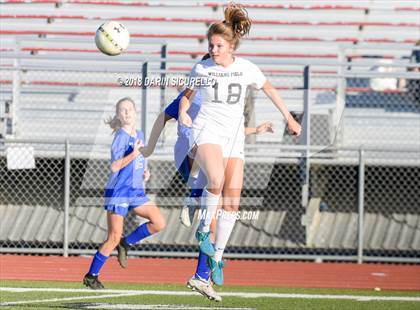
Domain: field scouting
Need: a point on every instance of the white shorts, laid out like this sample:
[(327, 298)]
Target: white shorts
[(232, 147)]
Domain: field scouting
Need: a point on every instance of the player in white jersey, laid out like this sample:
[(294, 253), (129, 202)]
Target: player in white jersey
[(221, 118), (217, 139)]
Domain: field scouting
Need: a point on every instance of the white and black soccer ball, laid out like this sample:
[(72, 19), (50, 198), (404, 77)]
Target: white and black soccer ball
[(112, 38)]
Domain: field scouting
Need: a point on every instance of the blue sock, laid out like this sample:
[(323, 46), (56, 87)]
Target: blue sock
[(203, 270), (138, 234), (196, 192), (97, 263)]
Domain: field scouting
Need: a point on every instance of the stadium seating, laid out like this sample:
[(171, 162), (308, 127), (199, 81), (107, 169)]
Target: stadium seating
[(309, 26), (298, 31)]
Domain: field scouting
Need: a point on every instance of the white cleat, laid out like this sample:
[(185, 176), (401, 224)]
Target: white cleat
[(203, 287), (188, 210)]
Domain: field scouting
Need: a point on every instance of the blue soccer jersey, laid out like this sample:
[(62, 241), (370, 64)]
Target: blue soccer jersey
[(173, 109), (182, 143), (125, 188)]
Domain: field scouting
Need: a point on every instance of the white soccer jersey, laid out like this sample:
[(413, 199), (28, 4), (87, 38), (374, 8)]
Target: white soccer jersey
[(222, 104)]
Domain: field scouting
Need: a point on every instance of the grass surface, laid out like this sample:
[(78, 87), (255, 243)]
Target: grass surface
[(79, 300)]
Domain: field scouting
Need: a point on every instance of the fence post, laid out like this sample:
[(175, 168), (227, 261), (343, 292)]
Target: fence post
[(163, 76), (361, 207), (16, 88), (144, 99), (335, 135), (306, 135), (163, 53), (66, 198)]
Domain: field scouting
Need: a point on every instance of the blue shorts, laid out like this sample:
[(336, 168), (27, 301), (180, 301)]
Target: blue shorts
[(184, 169), (122, 206)]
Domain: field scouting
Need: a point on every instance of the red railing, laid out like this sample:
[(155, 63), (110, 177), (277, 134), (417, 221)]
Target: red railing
[(214, 5), (208, 21), (203, 37)]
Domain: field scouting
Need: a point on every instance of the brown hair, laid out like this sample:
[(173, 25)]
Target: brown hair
[(234, 27), (115, 122)]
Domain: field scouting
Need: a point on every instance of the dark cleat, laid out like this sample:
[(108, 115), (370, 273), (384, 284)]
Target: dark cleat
[(92, 282), (122, 249)]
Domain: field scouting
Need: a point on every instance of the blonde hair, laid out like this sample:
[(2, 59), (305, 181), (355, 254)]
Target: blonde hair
[(236, 25), (114, 122)]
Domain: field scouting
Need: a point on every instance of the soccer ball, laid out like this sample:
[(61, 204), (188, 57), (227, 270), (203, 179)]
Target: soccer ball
[(112, 38)]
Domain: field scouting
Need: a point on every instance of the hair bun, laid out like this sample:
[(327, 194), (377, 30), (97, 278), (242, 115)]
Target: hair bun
[(237, 18)]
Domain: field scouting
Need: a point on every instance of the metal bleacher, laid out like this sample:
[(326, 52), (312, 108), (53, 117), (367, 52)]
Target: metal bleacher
[(296, 32)]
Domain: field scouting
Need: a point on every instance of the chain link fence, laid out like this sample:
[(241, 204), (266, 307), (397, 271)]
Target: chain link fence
[(276, 226), (31, 200), (282, 220)]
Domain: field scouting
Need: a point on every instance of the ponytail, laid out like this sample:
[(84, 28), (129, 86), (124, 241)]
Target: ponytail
[(236, 25), (237, 18), (114, 123)]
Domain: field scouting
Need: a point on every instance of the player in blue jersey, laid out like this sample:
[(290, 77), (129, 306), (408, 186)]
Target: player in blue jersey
[(125, 192), (191, 175), (195, 180)]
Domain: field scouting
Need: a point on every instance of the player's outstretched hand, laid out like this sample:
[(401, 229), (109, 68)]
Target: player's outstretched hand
[(185, 119), (265, 127), (146, 175), (293, 126)]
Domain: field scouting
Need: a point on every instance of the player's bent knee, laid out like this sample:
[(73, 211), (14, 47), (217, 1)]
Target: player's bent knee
[(215, 180), (157, 224), (160, 225), (215, 186)]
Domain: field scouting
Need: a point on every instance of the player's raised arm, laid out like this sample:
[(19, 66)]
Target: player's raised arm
[(170, 112), (274, 96), (157, 129), (184, 105)]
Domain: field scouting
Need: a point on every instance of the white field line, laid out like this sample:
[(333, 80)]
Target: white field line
[(11, 303), (118, 293), (156, 307)]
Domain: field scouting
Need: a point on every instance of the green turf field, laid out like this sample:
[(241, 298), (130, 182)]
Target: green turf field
[(60, 295)]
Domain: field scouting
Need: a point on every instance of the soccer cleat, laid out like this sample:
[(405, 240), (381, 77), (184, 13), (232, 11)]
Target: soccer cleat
[(187, 211), (204, 243), (92, 282), (204, 288), (122, 249), (216, 271)]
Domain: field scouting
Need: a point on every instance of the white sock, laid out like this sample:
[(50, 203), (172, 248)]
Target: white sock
[(225, 223), (209, 203)]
